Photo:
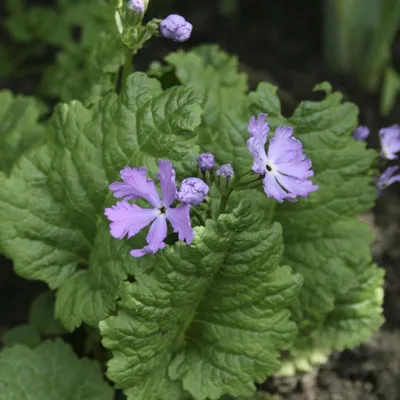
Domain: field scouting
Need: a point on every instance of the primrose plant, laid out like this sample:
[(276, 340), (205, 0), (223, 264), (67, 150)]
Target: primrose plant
[(202, 240)]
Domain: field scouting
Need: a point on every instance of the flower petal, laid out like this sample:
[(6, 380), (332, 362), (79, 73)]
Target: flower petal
[(180, 220), (299, 170), (388, 177), (390, 141), (283, 147), (129, 219), (259, 128), (157, 232), (274, 190), (136, 185), (257, 150), (298, 187), (155, 238), (167, 182)]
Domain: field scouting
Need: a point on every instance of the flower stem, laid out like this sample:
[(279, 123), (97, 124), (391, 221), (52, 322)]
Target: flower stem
[(224, 202), (271, 211), (128, 67)]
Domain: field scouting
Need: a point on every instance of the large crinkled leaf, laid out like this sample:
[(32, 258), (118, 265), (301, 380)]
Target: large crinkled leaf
[(213, 315), (214, 74), (50, 371), (357, 313), (19, 126), (52, 222), (323, 239)]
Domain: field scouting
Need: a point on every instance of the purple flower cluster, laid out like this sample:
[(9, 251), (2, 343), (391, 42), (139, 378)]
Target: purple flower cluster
[(285, 167), (128, 219), (176, 28)]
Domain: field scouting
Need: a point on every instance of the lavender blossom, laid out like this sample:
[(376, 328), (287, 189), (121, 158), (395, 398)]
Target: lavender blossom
[(206, 161), (225, 170), (176, 28), (361, 133), (387, 178), (192, 191), (285, 167), (137, 5), (128, 219), (390, 141)]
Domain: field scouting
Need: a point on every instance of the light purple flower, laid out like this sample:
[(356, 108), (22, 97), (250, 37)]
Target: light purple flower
[(137, 5), (176, 28), (192, 191), (225, 170), (387, 178), (128, 219), (285, 167), (390, 141), (361, 133), (206, 161)]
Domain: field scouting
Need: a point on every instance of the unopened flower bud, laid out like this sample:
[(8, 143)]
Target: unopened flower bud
[(225, 170), (206, 161), (137, 5), (192, 191), (176, 28), (361, 133)]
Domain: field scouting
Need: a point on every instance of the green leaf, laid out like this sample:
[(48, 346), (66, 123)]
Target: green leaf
[(355, 316), (214, 314), (213, 73), (19, 126), (52, 222), (324, 241), (42, 315), (50, 371), (25, 334), (357, 313)]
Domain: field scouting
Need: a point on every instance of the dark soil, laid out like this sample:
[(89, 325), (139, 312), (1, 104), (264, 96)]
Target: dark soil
[(281, 42)]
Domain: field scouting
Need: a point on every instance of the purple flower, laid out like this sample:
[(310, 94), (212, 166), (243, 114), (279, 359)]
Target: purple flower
[(176, 28), (361, 133), (137, 5), (128, 219), (390, 141), (225, 170), (387, 178), (192, 191), (285, 167), (206, 161)]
